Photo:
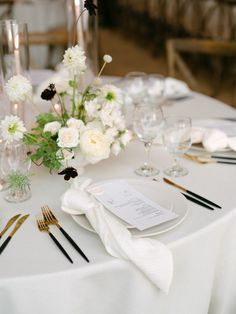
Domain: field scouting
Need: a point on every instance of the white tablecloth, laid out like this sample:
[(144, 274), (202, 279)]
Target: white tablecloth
[(36, 278)]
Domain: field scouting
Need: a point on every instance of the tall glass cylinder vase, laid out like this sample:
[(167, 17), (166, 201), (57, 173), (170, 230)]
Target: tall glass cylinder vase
[(82, 30), (14, 56)]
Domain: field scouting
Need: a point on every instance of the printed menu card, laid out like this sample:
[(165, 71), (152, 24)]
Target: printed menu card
[(130, 205)]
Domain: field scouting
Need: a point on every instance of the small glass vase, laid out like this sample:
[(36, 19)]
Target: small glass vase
[(17, 195), (14, 167)]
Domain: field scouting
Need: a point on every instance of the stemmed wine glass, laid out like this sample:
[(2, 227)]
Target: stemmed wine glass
[(148, 120), (177, 139)]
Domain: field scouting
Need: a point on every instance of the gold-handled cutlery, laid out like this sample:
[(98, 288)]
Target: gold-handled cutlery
[(207, 160), (50, 218), (44, 227), (9, 224), (197, 198), (17, 226)]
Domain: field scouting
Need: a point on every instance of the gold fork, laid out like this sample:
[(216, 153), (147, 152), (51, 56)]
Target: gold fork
[(49, 218), (44, 227)]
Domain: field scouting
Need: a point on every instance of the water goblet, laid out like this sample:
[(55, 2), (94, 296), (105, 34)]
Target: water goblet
[(148, 120), (15, 166), (177, 139)]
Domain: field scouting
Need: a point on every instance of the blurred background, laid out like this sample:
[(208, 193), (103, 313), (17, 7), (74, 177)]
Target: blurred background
[(192, 40)]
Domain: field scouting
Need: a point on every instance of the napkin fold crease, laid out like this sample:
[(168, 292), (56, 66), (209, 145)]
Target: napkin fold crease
[(152, 257)]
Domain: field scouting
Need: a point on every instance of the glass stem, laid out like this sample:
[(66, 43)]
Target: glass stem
[(147, 147), (176, 162)]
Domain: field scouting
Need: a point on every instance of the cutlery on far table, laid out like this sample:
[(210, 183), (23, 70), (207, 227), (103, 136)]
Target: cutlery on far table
[(9, 223), (44, 227), (207, 160), (17, 226), (201, 198), (50, 218), (223, 157)]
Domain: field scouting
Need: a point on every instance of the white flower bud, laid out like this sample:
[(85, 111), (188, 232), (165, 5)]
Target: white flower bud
[(107, 58)]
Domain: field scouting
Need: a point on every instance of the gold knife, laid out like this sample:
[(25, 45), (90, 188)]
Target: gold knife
[(17, 226), (9, 223)]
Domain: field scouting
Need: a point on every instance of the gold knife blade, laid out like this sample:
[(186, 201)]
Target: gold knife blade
[(18, 224), (9, 223)]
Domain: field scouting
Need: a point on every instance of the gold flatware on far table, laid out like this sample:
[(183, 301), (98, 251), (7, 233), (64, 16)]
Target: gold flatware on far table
[(9, 224), (207, 160), (17, 226), (44, 227), (49, 218)]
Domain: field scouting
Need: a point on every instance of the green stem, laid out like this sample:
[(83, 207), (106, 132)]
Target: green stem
[(102, 68), (74, 27), (73, 97)]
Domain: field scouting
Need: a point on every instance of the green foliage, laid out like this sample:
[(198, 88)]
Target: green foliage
[(19, 181)]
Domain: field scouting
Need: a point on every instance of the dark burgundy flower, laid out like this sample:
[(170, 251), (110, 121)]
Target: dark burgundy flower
[(90, 6), (49, 92), (69, 173)]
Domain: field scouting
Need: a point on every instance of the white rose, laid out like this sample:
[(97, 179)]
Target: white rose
[(116, 148), (68, 137), (52, 127), (126, 137), (75, 123), (94, 145)]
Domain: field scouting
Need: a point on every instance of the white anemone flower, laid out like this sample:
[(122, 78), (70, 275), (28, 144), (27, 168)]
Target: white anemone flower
[(12, 128), (18, 88), (74, 60)]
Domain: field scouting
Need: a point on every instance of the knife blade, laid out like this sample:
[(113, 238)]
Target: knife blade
[(17, 226), (9, 223)]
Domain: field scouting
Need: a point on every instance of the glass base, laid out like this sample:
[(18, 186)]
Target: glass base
[(176, 171), (14, 196), (146, 171)]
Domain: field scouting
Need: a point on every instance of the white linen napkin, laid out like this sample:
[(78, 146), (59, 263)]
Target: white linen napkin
[(214, 140), (175, 89), (152, 257)]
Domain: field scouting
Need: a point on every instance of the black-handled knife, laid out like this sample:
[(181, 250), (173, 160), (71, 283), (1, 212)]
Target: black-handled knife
[(17, 226), (191, 193), (194, 200), (9, 223)]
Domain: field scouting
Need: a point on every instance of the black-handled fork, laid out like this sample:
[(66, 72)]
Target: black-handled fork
[(50, 218), (44, 227)]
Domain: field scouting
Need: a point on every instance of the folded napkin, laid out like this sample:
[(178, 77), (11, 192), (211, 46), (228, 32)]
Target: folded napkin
[(176, 89), (152, 257), (212, 139)]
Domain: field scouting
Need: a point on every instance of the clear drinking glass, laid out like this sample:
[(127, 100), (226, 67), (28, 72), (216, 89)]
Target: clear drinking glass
[(14, 160), (148, 120), (14, 55), (177, 139)]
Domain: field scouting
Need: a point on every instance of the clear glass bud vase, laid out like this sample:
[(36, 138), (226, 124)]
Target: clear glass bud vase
[(82, 30)]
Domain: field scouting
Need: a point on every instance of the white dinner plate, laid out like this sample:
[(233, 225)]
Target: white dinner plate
[(157, 192)]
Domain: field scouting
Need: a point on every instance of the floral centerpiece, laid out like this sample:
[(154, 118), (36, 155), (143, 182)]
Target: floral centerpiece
[(85, 123)]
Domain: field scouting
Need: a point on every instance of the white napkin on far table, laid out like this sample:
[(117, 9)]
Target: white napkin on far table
[(152, 257)]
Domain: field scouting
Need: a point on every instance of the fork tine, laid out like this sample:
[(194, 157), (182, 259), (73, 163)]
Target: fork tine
[(50, 211)]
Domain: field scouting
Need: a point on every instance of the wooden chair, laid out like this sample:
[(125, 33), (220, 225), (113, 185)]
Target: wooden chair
[(176, 47)]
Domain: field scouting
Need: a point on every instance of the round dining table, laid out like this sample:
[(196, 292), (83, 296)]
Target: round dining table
[(36, 278)]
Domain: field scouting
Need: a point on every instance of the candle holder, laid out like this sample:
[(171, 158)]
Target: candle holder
[(14, 56)]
